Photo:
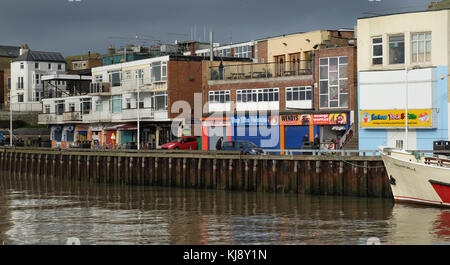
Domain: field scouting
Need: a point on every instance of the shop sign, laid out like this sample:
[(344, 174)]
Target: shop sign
[(295, 119), (81, 128), (329, 119), (249, 120), (395, 118), (95, 127)]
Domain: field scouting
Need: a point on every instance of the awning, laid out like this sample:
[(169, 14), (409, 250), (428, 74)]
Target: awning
[(127, 128), (114, 127)]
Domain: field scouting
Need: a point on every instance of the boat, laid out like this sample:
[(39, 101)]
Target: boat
[(416, 178)]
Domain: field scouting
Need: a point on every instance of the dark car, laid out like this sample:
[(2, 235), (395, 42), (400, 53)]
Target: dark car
[(246, 147), (183, 143)]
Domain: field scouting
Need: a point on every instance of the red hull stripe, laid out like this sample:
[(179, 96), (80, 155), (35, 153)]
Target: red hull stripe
[(442, 190)]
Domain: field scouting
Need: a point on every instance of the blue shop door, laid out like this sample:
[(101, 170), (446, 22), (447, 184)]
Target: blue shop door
[(294, 136)]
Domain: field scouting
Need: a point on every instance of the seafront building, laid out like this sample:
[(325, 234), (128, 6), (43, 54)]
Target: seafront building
[(403, 63), (27, 88), (298, 84), (122, 93)]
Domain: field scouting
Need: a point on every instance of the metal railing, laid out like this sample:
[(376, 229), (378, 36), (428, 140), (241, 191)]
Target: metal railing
[(99, 88), (261, 70), (321, 152)]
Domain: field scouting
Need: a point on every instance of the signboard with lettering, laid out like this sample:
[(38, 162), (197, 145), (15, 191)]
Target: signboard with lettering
[(295, 119), (420, 118), (249, 120), (329, 119)]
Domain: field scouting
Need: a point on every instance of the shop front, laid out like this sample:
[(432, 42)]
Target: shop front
[(260, 130), (96, 135), (293, 129), (332, 127)]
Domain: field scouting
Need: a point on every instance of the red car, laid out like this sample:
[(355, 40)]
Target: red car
[(183, 143)]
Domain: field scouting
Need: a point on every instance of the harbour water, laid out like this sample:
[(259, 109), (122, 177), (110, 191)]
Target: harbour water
[(50, 212)]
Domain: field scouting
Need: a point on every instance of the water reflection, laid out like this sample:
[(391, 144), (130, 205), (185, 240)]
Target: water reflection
[(48, 212)]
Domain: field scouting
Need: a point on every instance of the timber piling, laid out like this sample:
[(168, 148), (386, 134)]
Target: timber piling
[(363, 176)]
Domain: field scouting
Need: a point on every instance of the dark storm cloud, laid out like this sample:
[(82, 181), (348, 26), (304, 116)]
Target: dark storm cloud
[(76, 27)]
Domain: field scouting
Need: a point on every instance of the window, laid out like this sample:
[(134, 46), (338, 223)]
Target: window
[(421, 47), (333, 82), (59, 107), (116, 104), (128, 103), (159, 71), (85, 105), (257, 95), (37, 78), (99, 105), (396, 49), (298, 93), (98, 79), (9, 83), (36, 65), (219, 96), (47, 109), (71, 107), (377, 50), (20, 82), (139, 77), (59, 67), (115, 78), (128, 75), (21, 66), (224, 52), (159, 101), (49, 66), (20, 98), (243, 51)]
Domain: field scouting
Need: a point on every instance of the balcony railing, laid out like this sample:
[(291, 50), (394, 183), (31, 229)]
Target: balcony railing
[(49, 118), (261, 70), (131, 114), (72, 116), (97, 88)]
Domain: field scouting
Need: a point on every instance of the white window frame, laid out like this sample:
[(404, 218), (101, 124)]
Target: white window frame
[(220, 94), (373, 49), (425, 44), (298, 90)]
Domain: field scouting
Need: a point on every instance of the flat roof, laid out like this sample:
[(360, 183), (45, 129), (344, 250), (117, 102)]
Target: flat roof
[(66, 77), (401, 13)]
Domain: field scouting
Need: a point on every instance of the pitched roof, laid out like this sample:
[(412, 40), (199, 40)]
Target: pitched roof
[(37, 56), (9, 51)]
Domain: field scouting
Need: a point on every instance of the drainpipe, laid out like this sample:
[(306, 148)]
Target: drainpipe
[(313, 76)]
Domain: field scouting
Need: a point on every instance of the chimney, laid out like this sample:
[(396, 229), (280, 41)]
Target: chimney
[(431, 4), (192, 48), (111, 50), (23, 49)]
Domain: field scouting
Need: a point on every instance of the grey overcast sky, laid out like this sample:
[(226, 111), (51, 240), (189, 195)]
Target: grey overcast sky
[(89, 25)]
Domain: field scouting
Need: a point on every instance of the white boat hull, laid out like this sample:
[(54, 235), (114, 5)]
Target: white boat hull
[(414, 181)]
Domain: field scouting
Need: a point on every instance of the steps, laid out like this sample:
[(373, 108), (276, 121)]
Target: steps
[(352, 144)]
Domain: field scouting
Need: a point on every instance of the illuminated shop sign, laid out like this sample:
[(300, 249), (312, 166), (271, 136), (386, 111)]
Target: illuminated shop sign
[(395, 118)]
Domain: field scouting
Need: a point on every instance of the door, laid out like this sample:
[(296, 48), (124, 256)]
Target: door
[(294, 136), (279, 65)]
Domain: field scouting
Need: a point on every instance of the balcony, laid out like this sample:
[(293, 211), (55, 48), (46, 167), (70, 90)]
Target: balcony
[(72, 116), (131, 114), (100, 88), (247, 71), (143, 84), (49, 118), (97, 116)]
